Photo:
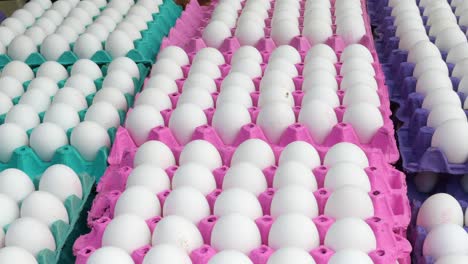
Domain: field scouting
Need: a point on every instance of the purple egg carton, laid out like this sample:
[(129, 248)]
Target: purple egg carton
[(388, 192), (417, 234), (390, 246)]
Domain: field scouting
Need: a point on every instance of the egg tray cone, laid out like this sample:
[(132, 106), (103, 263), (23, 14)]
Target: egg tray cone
[(66, 233), (414, 136), (145, 48)]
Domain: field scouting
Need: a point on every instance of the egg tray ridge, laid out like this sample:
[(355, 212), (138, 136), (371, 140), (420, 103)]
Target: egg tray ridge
[(390, 246), (65, 234), (145, 48)]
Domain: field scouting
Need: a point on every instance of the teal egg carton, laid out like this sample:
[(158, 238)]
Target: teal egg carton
[(145, 49), (65, 234), (138, 84)]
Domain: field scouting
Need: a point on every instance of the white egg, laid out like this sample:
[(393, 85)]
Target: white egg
[(444, 240), (238, 79), (346, 152), (294, 199), (61, 181), (274, 78), (246, 52), (293, 230), (108, 23), (141, 120), (166, 254), (284, 32), (317, 31), (237, 201), (11, 87), (199, 81), (86, 67), (16, 255), (366, 120), (349, 201), (230, 257), (130, 29), (249, 32), (155, 98), (356, 51), (21, 47), (210, 54), (18, 70), (205, 67), (318, 63), (63, 115), (141, 11), (174, 53), (286, 52), (293, 254), (276, 96), (112, 96), (72, 97), (321, 50), (350, 233), (245, 176), (318, 80), (90, 7), (23, 115), (119, 80), (88, 138), (228, 120), (10, 212), (236, 95), (447, 137), (184, 120), (274, 119), (249, 67), (30, 234), (449, 38), (52, 70), (128, 232), (197, 96), (139, 201), (357, 63), (424, 49), (46, 138), (361, 93), (325, 94), (86, 46), (109, 254), (431, 80), (430, 63), (187, 202), (452, 259), (440, 208), (36, 34), (112, 13), (54, 46), (118, 44), (6, 35), (15, 25), (154, 153), (457, 53), (168, 68), (63, 7), (294, 173), (104, 114), (81, 82), (235, 232), (5, 103), (443, 113), (124, 64), (33, 206), (45, 84), (302, 152), (196, 176), (163, 83), (339, 175), (149, 176), (12, 136), (347, 256), (35, 8), (15, 184), (24, 16), (68, 33), (256, 151), (37, 99), (314, 113), (187, 237)]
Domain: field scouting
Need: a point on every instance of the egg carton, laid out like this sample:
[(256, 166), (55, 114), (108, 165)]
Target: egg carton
[(64, 234), (138, 83), (417, 234), (390, 246), (388, 192), (145, 48)]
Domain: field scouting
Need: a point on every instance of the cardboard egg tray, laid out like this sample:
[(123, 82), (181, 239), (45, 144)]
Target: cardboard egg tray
[(414, 136), (390, 246), (64, 234), (145, 49)]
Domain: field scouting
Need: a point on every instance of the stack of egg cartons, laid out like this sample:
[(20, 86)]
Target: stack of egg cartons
[(426, 49), (62, 98), (262, 135)]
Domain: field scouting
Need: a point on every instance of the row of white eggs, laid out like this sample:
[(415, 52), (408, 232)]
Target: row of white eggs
[(87, 40), (442, 217), (23, 207), (237, 232)]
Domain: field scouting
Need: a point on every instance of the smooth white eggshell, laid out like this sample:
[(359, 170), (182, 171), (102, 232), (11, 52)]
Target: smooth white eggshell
[(88, 137), (141, 120), (357, 77), (81, 15), (15, 25), (247, 66), (12, 136), (235, 232), (350, 233), (449, 38), (423, 49), (5, 103), (187, 238), (357, 63), (346, 173), (45, 85), (302, 152), (63, 115), (61, 181), (318, 63), (124, 64), (361, 93), (320, 79), (294, 199), (82, 83), (356, 50), (274, 118), (11, 87), (151, 177), (162, 82), (15, 184), (18, 70), (350, 256), (139, 201), (349, 201), (230, 257), (46, 138), (444, 240), (113, 96), (199, 81), (130, 29), (168, 68), (6, 35), (10, 212), (228, 119), (365, 119), (443, 113), (411, 37), (295, 255), (68, 33), (324, 94), (90, 7), (284, 32), (184, 120), (30, 234), (33, 206), (205, 67), (321, 50), (276, 77), (236, 95), (215, 33), (293, 230), (72, 97), (317, 31), (430, 63), (112, 13), (286, 52), (237, 201), (198, 96), (210, 54), (120, 80), (24, 16), (175, 53), (440, 208), (23, 115), (86, 67), (346, 152), (319, 118), (107, 22), (128, 232), (187, 202), (16, 254), (457, 53), (256, 151), (118, 44), (245, 176), (194, 175), (246, 52), (276, 95), (166, 254), (104, 114), (294, 173), (249, 32), (36, 34), (140, 11), (155, 98), (110, 254), (35, 8), (431, 80), (86, 46), (21, 47), (155, 153)]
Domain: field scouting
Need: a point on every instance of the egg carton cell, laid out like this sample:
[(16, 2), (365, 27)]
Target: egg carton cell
[(144, 49), (390, 247), (388, 193), (64, 233)]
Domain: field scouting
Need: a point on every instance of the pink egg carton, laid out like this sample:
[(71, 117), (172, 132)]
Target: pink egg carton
[(391, 247), (388, 192)]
